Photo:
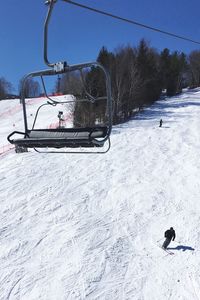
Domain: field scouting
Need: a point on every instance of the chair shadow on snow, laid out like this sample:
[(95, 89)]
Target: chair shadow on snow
[(182, 247)]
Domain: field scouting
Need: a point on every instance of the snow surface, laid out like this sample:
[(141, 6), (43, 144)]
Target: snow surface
[(76, 226), (11, 117)]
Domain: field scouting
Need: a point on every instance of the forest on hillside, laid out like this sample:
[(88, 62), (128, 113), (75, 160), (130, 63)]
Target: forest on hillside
[(139, 76)]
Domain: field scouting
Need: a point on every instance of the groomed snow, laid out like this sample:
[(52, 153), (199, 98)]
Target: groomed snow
[(90, 226)]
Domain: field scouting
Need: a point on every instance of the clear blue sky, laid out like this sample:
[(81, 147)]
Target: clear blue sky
[(77, 35)]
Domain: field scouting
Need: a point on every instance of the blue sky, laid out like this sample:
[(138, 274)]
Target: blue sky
[(76, 35)]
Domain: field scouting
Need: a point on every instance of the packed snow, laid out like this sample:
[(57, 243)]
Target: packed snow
[(75, 226)]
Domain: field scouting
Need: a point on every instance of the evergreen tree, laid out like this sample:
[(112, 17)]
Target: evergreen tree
[(164, 67), (148, 72), (177, 67), (88, 113)]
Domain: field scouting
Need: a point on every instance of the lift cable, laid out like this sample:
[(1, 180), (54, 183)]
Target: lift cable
[(132, 22)]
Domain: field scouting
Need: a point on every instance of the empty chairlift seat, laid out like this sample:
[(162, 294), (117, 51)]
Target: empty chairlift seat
[(58, 138), (83, 137)]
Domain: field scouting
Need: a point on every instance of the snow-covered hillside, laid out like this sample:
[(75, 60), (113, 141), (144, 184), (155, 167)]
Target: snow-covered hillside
[(11, 117), (90, 226)]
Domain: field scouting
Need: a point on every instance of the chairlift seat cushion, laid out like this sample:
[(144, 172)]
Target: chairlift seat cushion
[(68, 133)]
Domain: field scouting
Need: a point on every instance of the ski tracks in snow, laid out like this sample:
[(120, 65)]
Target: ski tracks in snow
[(84, 227)]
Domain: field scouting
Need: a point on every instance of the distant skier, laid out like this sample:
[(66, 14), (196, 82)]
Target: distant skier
[(161, 122), (169, 235)]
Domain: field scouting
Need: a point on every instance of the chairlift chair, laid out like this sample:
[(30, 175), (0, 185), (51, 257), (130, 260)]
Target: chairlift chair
[(50, 140)]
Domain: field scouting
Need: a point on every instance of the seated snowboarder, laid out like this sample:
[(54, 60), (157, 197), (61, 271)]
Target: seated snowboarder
[(169, 235)]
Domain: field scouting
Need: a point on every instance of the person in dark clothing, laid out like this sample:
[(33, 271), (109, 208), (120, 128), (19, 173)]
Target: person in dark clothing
[(161, 122), (169, 235)]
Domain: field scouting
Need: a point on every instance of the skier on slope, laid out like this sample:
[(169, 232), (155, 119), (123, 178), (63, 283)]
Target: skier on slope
[(169, 235)]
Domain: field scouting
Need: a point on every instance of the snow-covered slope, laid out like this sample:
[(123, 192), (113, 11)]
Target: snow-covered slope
[(11, 116), (90, 226)]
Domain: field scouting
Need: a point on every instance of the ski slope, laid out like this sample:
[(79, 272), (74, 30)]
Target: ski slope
[(76, 227), (11, 116)]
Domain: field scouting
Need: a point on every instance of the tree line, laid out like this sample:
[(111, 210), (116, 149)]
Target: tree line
[(32, 89), (139, 76)]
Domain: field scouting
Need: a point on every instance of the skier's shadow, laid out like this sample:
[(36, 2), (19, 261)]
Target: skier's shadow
[(182, 247)]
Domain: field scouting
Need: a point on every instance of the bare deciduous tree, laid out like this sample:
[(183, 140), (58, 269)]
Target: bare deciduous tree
[(31, 89), (194, 68), (5, 88)]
